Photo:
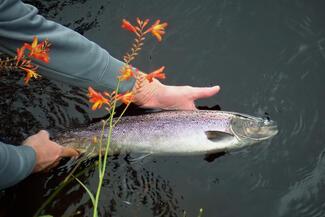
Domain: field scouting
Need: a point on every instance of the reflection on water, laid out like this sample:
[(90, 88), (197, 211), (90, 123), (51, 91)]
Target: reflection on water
[(268, 57), (306, 196), (128, 190), (40, 105), (133, 190), (80, 21)]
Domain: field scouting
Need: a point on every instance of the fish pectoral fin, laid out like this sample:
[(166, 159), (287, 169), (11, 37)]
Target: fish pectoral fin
[(216, 136)]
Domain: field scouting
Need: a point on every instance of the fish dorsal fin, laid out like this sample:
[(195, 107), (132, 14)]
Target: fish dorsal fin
[(216, 136)]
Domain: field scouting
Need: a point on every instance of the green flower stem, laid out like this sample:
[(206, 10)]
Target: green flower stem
[(124, 110), (100, 148), (103, 166)]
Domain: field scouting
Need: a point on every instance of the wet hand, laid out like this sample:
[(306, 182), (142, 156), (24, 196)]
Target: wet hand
[(48, 153), (158, 95)]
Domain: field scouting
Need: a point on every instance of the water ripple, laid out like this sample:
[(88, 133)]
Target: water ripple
[(43, 104), (304, 198)]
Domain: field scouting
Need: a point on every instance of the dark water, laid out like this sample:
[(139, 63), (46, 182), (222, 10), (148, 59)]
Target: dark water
[(268, 57)]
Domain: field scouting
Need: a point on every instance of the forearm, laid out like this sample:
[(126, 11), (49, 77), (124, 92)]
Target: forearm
[(74, 58), (16, 163)]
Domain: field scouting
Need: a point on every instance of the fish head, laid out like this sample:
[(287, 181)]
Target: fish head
[(253, 129)]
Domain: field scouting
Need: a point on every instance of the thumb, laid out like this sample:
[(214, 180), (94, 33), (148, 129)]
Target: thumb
[(69, 152), (205, 92)]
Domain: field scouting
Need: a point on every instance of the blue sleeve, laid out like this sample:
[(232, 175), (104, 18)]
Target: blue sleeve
[(17, 162), (73, 58)]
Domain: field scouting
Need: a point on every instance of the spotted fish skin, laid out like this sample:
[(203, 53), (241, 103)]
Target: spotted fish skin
[(175, 132)]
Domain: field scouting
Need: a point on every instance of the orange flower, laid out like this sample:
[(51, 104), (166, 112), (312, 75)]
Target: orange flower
[(128, 26), (157, 29), (142, 23), (97, 98), (126, 72), (42, 56), (20, 53), (38, 51), (126, 98), (156, 74), (30, 73)]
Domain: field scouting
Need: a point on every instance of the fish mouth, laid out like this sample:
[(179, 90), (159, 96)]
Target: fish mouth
[(252, 128)]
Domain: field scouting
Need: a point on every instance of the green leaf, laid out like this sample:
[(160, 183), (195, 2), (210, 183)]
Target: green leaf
[(200, 212), (87, 189)]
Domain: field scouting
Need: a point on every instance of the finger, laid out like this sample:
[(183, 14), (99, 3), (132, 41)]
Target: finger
[(205, 92), (44, 133), (69, 152)]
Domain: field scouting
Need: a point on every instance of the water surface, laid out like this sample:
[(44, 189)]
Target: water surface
[(268, 57)]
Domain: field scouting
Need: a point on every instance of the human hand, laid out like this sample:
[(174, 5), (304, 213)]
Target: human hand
[(48, 153), (158, 95)]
